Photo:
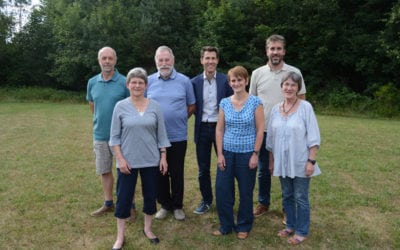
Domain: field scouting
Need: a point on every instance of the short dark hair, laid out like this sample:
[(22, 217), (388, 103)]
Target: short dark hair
[(209, 49)]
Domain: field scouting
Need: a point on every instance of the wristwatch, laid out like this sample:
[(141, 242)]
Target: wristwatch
[(312, 161)]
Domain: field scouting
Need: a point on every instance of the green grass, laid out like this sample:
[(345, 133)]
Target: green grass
[(49, 187)]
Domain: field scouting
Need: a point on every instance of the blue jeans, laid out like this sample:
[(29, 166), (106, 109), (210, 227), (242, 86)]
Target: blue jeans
[(237, 167), (264, 176), (203, 153), (296, 204), (126, 185)]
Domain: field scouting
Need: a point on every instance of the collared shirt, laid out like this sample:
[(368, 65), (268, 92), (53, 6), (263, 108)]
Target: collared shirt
[(210, 105), (104, 95), (266, 84), (174, 95)]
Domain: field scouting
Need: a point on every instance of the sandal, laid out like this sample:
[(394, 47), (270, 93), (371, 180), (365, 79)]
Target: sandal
[(296, 239), (285, 233)]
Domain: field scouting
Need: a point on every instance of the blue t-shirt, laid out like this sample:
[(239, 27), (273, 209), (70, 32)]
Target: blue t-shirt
[(173, 95), (104, 95), (240, 127)]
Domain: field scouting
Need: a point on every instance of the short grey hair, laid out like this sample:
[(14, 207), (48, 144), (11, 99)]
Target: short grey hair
[(163, 48), (295, 78), (104, 48), (137, 72)]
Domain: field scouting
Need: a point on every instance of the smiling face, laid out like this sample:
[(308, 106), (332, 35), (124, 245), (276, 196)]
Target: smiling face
[(209, 61), (290, 88), (164, 62), (136, 86), (238, 83), (275, 52)]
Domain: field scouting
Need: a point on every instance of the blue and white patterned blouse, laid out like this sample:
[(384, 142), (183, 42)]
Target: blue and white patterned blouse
[(290, 139), (240, 127)]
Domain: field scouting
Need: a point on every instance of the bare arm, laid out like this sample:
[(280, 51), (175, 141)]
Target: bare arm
[(259, 121), (123, 164), (163, 161), (191, 109), (91, 105), (309, 166), (219, 135)]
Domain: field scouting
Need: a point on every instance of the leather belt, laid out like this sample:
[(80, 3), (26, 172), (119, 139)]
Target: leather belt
[(209, 124)]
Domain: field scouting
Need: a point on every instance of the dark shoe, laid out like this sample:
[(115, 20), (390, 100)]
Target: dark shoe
[(132, 218), (202, 209), (101, 211), (242, 235), (154, 241), (260, 210)]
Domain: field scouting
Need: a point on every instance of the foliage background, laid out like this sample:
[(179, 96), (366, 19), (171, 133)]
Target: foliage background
[(346, 49)]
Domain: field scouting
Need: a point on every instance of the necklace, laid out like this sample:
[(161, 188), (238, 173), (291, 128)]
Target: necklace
[(287, 111)]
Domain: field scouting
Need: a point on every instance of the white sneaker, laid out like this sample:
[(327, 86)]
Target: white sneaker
[(179, 214), (161, 214)]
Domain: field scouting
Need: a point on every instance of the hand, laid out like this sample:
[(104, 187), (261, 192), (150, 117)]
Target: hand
[(163, 166), (309, 169), (221, 162), (253, 163), (271, 169), (124, 166)]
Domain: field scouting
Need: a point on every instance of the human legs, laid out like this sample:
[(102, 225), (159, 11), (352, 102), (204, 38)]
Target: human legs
[(203, 153), (176, 162), (264, 181), (246, 178), (149, 190), (225, 194), (103, 159), (301, 187), (126, 184)]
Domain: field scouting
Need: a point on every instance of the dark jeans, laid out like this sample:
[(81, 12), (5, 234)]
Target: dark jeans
[(264, 176), (171, 185), (126, 185), (203, 153), (237, 167)]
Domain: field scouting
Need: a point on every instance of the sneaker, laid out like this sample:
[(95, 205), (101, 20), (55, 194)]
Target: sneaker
[(260, 210), (161, 214), (101, 211), (202, 209), (179, 214), (132, 218)]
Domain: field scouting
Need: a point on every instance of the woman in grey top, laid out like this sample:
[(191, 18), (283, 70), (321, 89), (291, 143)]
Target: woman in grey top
[(293, 140), (138, 138)]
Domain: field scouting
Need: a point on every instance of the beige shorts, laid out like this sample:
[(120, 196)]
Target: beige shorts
[(103, 157)]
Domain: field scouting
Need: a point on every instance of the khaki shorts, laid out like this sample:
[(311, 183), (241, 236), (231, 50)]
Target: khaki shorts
[(103, 157)]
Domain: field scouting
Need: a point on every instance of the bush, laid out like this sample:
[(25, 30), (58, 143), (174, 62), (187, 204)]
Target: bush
[(387, 100), (37, 94)]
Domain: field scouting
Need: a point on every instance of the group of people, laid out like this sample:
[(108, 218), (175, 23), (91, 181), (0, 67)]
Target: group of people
[(142, 121)]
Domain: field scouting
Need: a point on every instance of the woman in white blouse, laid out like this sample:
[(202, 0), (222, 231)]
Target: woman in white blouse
[(293, 140)]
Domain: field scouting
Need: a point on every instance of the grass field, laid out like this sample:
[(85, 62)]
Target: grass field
[(48, 188)]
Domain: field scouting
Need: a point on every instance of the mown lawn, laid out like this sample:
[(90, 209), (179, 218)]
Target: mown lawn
[(49, 187)]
